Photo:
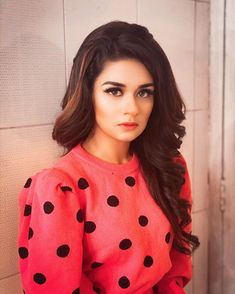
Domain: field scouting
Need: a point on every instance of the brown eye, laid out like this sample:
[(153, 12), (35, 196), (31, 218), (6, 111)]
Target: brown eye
[(113, 91), (146, 92)]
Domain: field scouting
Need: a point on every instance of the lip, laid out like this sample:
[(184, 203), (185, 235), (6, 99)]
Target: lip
[(129, 124)]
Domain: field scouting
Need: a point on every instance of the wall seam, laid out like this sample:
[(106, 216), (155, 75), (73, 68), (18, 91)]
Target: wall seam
[(223, 138)]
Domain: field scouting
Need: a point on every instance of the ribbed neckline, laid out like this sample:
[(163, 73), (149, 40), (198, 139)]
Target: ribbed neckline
[(129, 166)]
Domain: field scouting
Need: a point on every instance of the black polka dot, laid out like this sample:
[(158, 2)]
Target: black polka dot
[(130, 181), (30, 234), (82, 183), (183, 181), (39, 278), (113, 200), (148, 261), (96, 289), (48, 207), (76, 291), (124, 282), (125, 244), (96, 264), (28, 183), (23, 252), (89, 227), (63, 250), (143, 220), (168, 237), (79, 216), (66, 188), (27, 210)]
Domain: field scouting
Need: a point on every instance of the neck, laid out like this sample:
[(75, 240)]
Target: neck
[(110, 151)]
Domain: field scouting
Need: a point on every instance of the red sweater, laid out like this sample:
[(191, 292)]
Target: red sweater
[(89, 226)]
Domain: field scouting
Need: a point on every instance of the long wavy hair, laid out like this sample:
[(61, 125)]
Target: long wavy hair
[(158, 145)]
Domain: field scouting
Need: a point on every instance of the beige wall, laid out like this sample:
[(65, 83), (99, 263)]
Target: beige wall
[(38, 42), (222, 146)]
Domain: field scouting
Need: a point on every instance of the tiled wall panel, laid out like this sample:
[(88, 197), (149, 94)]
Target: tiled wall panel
[(229, 141), (81, 17), (200, 160), (201, 57), (32, 61), (11, 285), (200, 264), (172, 24), (24, 151)]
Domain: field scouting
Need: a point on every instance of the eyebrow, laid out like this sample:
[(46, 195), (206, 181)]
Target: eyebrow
[(122, 85)]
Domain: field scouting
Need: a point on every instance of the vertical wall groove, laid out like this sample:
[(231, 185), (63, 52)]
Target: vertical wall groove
[(222, 143)]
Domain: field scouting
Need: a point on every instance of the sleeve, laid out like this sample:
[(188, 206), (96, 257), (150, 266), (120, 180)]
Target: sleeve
[(50, 234), (180, 274)]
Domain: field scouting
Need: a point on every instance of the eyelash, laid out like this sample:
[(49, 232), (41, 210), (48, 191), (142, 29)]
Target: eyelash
[(148, 91)]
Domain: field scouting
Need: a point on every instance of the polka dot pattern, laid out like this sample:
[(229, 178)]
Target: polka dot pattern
[(66, 188), (48, 207), (130, 181), (27, 210), (63, 250), (168, 237), (96, 264), (79, 216), (82, 184), (103, 215), (124, 282), (23, 252), (143, 220), (30, 234), (125, 244), (39, 278), (113, 201), (148, 261), (89, 227), (28, 183)]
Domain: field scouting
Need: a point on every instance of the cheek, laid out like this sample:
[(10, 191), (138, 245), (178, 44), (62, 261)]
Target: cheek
[(104, 111), (148, 110)]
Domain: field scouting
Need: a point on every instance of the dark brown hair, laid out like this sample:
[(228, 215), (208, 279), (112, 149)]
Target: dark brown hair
[(158, 145)]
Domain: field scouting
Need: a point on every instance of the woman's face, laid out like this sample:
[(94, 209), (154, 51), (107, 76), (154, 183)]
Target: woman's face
[(122, 94)]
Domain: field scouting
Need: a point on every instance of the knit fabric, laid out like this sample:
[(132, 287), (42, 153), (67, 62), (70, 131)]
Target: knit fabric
[(90, 226)]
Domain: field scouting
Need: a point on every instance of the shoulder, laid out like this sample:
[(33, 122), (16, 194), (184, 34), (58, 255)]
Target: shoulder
[(48, 183), (48, 177)]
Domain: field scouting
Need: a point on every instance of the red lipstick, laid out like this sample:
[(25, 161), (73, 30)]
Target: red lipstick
[(129, 125)]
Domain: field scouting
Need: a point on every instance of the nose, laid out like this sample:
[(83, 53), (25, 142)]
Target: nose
[(130, 105)]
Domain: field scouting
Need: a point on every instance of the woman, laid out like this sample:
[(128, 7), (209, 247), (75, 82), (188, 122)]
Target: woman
[(113, 214)]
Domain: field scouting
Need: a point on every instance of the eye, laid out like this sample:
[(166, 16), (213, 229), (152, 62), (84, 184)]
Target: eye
[(147, 92), (113, 91)]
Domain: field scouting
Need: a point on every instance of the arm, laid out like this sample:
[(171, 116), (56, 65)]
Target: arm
[(50, 237), (181, 270)]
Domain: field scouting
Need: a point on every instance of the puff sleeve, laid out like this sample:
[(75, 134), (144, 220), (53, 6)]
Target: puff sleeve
[(180, 273), (50, 235)]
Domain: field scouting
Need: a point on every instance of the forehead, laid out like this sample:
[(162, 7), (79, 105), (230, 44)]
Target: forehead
[(126, 71)]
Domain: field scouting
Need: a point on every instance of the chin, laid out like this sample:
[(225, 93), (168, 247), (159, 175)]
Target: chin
[(129, 138)]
